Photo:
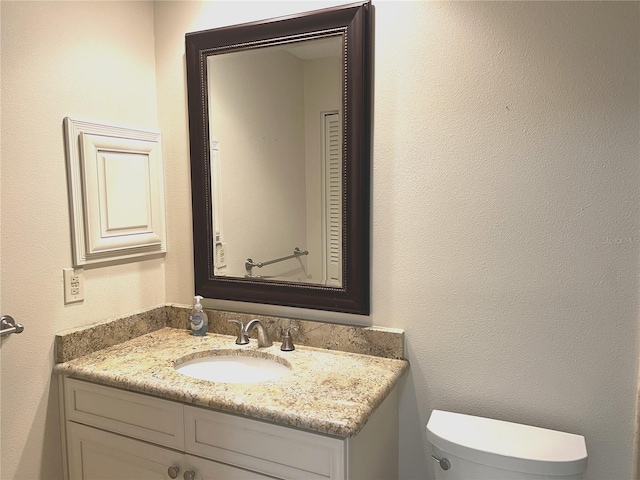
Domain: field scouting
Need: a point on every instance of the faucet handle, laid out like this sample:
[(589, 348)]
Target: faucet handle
[(242, 334), (287, 341)]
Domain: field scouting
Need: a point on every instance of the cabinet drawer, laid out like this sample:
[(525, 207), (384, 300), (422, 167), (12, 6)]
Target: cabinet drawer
[(132, 414), (262, 447)]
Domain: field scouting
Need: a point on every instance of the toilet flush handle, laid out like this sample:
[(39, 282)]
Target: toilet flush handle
[(444, 463)]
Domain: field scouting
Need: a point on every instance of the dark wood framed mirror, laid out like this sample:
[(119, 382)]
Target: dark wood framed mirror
[(273, 247)]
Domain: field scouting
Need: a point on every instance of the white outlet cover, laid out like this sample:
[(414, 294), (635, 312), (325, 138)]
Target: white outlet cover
[(73, 285)]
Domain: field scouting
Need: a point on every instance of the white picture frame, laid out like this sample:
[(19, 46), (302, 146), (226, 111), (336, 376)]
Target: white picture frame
[(116, 192)]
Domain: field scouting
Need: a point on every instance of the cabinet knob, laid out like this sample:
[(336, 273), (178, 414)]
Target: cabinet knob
[(173, 472), (189, 475), (444, 463)]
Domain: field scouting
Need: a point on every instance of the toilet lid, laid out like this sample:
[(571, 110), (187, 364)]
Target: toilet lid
[(510, 446)]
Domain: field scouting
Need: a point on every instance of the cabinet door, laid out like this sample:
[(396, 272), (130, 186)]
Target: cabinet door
[(273, 450), (98, 455), (210, 470)]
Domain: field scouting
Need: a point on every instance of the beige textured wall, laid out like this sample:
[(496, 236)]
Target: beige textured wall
[(505, 168), (92, 61), (506, 210), (262, 157), (505, 205)]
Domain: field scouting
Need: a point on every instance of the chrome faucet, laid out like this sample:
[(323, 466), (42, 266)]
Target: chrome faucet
[(263, 336)]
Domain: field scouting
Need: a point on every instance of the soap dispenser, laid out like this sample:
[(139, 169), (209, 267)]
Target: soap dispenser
[(198, 319)]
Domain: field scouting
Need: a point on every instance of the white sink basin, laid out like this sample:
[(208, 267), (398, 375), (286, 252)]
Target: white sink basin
[(233, 369)]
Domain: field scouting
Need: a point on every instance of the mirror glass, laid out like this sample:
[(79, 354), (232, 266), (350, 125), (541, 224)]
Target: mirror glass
[(276, 161), (280, 141)]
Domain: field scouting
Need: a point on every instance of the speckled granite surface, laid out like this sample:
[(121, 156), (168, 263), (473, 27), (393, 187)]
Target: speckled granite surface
[(328, 392), (382, 342), (80, 341)]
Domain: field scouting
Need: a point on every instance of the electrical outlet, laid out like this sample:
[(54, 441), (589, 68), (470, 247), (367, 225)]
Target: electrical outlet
[(221, 255), (73, 285)]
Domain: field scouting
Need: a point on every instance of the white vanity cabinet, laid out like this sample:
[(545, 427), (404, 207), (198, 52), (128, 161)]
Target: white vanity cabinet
[(115, 434), (96, 454)]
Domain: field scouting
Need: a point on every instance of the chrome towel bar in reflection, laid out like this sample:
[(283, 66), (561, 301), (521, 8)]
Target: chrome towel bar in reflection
[(249, 264), (8, 325)]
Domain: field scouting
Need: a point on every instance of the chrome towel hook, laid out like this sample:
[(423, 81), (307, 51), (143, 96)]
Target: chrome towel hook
[(8, 326)]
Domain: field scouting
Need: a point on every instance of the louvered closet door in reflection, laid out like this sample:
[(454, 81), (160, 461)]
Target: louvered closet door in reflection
[(332, 199)]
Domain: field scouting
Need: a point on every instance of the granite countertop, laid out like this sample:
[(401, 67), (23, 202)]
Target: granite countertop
[(327, 391)]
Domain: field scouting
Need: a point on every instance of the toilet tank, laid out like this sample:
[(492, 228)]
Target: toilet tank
[(485, 449)]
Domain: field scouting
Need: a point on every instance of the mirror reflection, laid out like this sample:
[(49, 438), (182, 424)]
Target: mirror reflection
[(275, 133), (280, 144)]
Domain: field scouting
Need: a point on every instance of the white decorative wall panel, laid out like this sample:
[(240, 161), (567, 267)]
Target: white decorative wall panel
[(116, 192)]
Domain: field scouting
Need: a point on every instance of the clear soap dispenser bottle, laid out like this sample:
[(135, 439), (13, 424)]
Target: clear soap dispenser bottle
[(198, 319)]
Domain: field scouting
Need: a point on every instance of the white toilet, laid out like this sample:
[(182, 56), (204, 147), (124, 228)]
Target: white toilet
[(475, 448)]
